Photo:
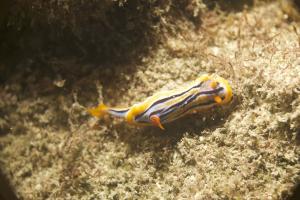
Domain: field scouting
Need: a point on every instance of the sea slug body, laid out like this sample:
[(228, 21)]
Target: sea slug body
[(163, 107)]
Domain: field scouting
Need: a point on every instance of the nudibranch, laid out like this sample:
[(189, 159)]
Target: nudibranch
[(163, 107)]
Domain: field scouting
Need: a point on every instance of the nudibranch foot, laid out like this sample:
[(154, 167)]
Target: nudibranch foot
[(156, 121)]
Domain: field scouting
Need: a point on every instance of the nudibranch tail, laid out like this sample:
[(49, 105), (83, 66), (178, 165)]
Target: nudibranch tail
[(98, 111), (102, 110)]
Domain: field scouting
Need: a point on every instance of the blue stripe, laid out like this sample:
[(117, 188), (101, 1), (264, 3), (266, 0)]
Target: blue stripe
[(166, 99), (188, 100)]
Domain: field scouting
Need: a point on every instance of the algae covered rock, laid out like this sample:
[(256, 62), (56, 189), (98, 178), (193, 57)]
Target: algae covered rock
[(67, 56)]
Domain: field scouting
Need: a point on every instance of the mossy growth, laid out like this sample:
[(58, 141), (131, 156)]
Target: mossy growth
[(51, 149)]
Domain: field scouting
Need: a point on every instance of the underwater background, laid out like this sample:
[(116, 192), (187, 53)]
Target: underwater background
[(60, 57)]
